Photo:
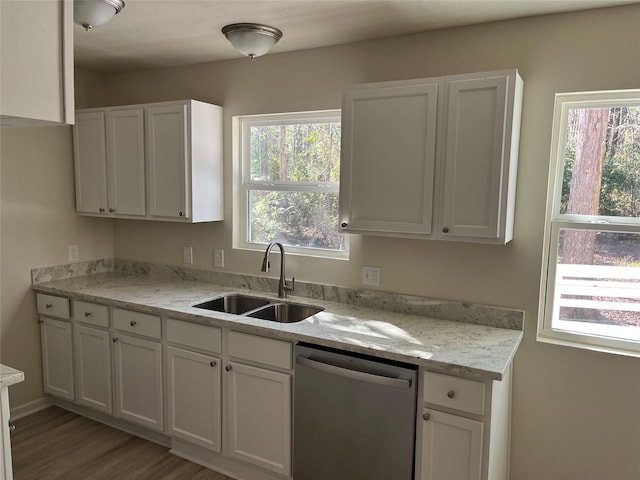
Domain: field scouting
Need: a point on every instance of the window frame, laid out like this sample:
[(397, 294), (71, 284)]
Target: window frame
[(243, 184), (587, 338)]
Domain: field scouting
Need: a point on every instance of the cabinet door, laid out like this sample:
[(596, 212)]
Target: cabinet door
[(125, 162), (93, 367), (57, 358), (138, 374), (168, 157), (90, 163), (259, 417), (194, 397), (451, 447), (476, 158), (388, 158)]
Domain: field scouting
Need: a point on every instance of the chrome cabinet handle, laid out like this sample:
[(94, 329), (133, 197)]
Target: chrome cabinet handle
[(451, 394), (228, 368), (213, 363), (111, 210), (426, 416), (181, 214), (101, 210), (87, 314), (344, 224), (132, 323), (40, 321), (48, 306), (114, 339), (445, 230)]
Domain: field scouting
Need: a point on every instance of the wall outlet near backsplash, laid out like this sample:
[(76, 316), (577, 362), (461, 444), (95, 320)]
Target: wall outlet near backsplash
[(74, 253), (371, 276), (218, 258)]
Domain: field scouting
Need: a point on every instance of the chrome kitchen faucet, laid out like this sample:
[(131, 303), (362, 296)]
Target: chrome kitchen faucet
[(283, 285)]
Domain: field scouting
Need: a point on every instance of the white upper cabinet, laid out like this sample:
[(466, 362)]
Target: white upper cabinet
[(388, 157), (125, 161), (158, 161), (432, 158), (36, 54), (480, 156), (90, 159)]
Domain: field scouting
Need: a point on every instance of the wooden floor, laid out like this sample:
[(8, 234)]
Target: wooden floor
[(55, 444)]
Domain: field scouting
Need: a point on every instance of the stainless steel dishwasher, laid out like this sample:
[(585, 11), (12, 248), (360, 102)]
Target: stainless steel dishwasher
[(354, 416)]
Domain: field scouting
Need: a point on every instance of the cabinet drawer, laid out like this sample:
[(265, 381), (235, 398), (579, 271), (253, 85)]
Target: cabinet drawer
[(91, 313), (194, 335), (454, 392), (53, 306), (260, 349), (136, 322)]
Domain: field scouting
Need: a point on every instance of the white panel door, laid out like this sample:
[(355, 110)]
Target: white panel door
[(451, 447), (259, 417), (138, 375), (90, 163), (194, 397), (125, 162), (57, 357), (388, 158), (168, 161), (93, 367), (474, 157)]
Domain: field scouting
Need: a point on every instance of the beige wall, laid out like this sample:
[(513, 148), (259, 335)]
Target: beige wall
[(38, 224), (575, 413)]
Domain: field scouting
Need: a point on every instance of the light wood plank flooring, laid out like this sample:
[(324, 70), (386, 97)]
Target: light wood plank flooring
[(55, 444)]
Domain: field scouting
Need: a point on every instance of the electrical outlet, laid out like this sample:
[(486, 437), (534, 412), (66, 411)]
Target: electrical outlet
[(218, 258), (74, 253), (371, 276), (187, 254)]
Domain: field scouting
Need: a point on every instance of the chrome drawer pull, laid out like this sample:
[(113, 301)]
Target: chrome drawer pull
[(451, 394)]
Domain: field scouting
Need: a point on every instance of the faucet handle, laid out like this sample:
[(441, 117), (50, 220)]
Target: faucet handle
[(289, 286)]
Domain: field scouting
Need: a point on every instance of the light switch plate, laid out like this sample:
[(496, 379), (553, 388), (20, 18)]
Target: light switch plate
[(187, 254), (218, 258), (371, 276), (74, 253)]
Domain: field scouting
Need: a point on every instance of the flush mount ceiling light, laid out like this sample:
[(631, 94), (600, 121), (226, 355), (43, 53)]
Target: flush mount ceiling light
[(93, 13), (252, 39)]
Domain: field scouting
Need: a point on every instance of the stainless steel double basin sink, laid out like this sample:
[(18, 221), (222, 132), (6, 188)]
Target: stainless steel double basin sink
[(257, 307)]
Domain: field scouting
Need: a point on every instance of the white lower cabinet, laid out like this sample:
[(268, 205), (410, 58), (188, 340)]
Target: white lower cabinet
[(258, 409), (451, 447), (93, 367), (194, 397), (57, 357), (463, 428), (138, 381), (259, 416)]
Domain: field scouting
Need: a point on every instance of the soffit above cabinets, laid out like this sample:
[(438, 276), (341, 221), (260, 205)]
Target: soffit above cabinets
[(163, 33)]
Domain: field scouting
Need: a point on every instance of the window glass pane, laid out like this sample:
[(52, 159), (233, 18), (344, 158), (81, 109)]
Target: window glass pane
[(295, 153), (602, 162), (300, 219), (597, 288)]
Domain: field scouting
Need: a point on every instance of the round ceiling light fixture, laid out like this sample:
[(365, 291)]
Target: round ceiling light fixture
[(252, 39), (93, 13)]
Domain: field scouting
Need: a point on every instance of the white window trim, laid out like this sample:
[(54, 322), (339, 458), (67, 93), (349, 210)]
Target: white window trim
[(590, 337), (241, 172)]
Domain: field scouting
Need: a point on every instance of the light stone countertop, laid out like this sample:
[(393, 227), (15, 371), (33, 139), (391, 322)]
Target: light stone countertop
[(455, 347), (10, 376)]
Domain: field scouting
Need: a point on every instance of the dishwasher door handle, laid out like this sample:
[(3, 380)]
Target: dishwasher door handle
[(353, 374)]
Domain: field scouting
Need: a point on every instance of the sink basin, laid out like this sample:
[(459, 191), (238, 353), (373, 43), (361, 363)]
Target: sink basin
[(234, 303), (285, 312)]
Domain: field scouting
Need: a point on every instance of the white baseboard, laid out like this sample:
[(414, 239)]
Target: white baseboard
[(31, 407)]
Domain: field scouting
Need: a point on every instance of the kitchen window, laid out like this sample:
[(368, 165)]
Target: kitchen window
[(590, 288), (288, 178)]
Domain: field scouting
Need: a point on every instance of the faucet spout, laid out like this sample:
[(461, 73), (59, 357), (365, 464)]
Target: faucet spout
[(283, 286)]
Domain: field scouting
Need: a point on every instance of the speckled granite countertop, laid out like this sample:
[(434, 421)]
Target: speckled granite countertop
[(9, 376), (456, 347)]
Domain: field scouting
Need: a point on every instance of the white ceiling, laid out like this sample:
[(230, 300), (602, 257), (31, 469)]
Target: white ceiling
[(162, 33)]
